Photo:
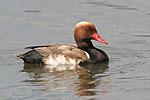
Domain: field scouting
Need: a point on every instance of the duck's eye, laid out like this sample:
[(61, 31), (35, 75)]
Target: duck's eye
[(88, 29)]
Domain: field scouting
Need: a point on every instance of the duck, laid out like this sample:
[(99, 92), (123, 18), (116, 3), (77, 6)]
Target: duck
[(83, 52)]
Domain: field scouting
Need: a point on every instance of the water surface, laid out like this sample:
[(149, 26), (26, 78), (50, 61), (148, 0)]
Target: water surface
[(123, 23)]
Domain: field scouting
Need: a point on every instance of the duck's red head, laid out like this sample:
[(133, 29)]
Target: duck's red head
[(84, 32)]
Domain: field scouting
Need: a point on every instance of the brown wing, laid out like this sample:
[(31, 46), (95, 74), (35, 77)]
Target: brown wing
[(69, 50), (38, 52), (52, 49), (32, 47), (77, 53)]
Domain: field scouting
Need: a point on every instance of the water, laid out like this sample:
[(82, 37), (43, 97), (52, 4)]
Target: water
[(123, 23)]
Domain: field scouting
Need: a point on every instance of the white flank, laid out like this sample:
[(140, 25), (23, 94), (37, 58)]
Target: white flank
[(88, 56), (61, 60)]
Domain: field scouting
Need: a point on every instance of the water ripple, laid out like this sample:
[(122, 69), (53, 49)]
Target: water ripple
[(121, 7)]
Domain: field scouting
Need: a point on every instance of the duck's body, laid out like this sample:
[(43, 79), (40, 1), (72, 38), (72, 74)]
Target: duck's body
[(55, 54), (83, 52)]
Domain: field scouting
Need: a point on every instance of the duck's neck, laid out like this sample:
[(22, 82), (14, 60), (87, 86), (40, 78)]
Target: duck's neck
[(86, 45), (87, 48), (96, 55)]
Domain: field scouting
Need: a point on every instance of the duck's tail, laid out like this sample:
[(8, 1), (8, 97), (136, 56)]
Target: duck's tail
[(30, 57), (19, 55)]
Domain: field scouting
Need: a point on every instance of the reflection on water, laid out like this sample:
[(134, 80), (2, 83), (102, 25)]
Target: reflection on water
[(84, 79)]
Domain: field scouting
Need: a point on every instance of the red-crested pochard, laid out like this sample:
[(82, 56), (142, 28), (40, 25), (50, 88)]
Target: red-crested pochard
[(83, 52)]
